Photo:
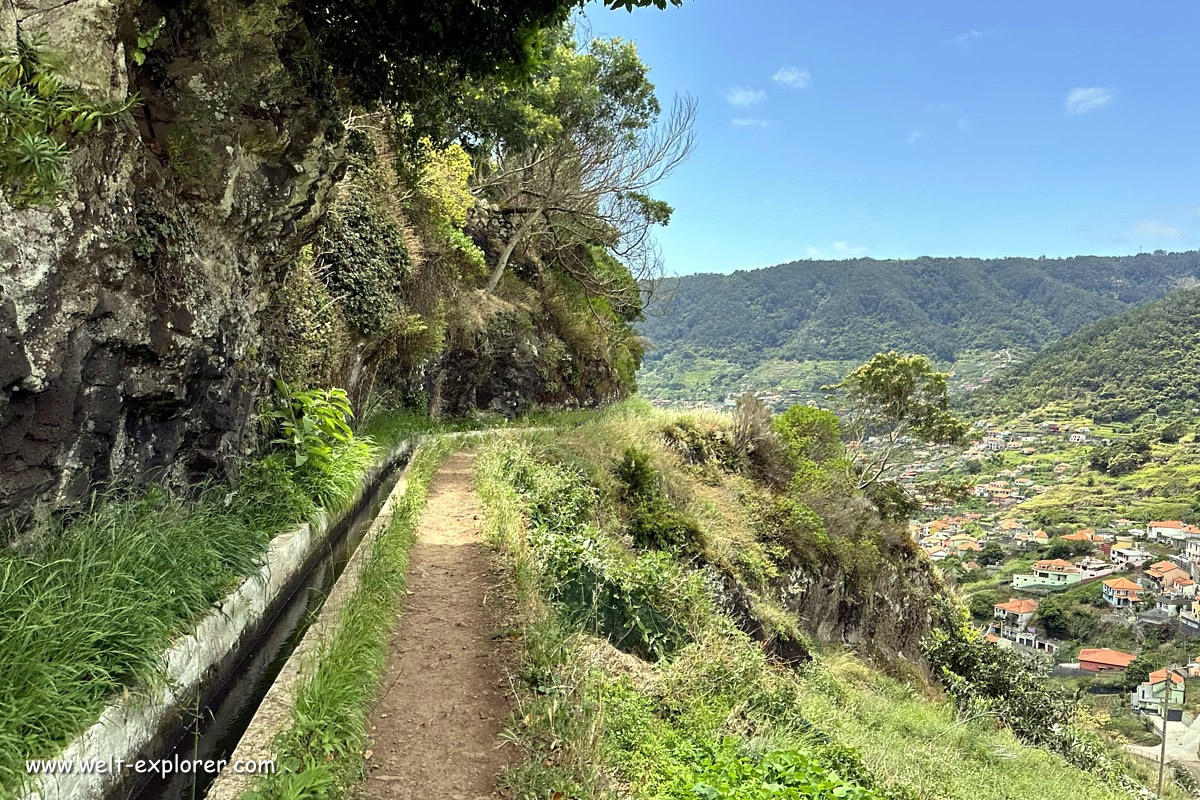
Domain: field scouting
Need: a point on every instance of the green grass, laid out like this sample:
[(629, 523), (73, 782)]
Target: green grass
[(320, 755), (713, 717), (88, 607)]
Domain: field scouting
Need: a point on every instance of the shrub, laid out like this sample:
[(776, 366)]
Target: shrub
[(653, 521), (810, 433), (364, 262), (308, 424)]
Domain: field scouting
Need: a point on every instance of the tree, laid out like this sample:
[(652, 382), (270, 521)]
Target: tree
[(982, 604), (894, 398), (992, 553), (404, 52), (809, 433), (1172, 432), (1061, 548), (576, 182), (1138, 671)]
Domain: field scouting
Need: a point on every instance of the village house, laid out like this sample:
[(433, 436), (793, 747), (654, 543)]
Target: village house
[(1173, 606), (1015, 613), (1037, 538), (1091, 567), (1189, 621), (1049, 574), (1191, 552), (1163, 527), (1121, 592), (1166, 575), (1128, 557), (1078, 437), (1102, 659), (1085, 535), (1164, 686)]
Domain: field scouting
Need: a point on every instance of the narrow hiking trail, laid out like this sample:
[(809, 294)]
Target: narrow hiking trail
[(445, 694)]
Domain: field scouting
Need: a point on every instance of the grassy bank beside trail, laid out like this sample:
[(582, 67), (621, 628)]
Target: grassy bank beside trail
[(635, 683), (89, 605), (321, 753)]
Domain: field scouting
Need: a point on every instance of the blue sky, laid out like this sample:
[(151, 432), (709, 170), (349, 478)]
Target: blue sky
[(894, 130)]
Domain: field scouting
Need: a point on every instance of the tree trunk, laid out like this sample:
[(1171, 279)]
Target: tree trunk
[(506, 253)]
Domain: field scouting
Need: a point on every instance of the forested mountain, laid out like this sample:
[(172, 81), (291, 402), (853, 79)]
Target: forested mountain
[(1145, 360), (849, 310)]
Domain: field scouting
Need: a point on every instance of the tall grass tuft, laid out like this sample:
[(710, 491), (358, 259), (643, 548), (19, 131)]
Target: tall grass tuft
[(90, 609), (95, 607)]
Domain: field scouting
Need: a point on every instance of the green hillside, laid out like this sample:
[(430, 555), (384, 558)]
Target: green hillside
[(719, 328), (1143, 361)]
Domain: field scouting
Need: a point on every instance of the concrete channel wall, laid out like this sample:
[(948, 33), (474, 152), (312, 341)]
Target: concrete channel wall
[(274, 714), (134, 725)]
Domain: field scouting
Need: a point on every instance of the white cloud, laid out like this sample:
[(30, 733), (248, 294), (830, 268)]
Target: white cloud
[(1081, 100), (963, 40), (793, 77), (741, 97), (749, 122), (963, 124), (916, 136), (838, 250), (1156, 229)]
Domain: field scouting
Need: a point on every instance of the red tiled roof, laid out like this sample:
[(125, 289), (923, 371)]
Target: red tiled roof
[(1056, 565), (1016, 606), (1160, 675), (1122, 583), (1103, 655), (1162, 568)]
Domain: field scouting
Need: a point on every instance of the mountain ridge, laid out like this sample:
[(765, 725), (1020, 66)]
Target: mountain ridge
[(807, 311)]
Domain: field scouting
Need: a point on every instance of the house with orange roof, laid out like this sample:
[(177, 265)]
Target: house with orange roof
[(1102, 659), (1052, 573), (1121, 592), (1085, 535), (1164, 688), (1017, 613), (1166, 574)]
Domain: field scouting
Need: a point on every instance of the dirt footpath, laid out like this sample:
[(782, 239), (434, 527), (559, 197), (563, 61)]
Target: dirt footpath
[(445, 694)]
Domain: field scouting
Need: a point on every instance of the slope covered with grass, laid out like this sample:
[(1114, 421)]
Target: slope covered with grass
[(666, 657)]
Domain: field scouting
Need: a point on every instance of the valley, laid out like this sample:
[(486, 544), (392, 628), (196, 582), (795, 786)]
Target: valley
[(362, 434)]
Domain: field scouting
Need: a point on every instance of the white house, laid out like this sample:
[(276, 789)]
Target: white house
[(1078, 438), (1164, 686), (1172, 606), (1129, 557), (1015, 613)]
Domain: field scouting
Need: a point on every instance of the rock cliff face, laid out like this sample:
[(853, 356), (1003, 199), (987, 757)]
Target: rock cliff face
[(889, 623), (129, 311), (140, 316)]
